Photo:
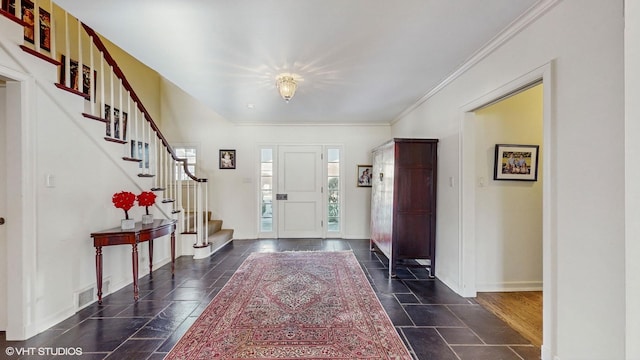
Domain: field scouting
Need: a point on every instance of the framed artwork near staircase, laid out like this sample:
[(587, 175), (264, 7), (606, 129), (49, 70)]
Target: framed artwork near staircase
[(45, 30), (74, 76), (227, 159), (116, 122), (140, 150), (28, 16)]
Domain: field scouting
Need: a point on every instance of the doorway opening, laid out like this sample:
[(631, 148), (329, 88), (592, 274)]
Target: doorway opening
[(508, 226), (478, 186), (19, 190), (3, 205)]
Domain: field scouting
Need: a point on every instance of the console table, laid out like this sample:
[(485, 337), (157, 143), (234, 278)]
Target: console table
[(139, 234)]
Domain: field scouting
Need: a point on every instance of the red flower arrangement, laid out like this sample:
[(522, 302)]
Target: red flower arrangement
[(146, 199), (124, 200)]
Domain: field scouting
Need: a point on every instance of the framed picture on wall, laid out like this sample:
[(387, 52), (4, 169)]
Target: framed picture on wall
[(75, 82), (29, 18), (227, 159), (516, 162), (45, 29), (140, 150), (116, 122), (364, 175)]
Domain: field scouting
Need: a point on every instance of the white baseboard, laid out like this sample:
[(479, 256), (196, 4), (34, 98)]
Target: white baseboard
[(186, 244), (545, 353), (356, 237), (510, 286), (54, 319)]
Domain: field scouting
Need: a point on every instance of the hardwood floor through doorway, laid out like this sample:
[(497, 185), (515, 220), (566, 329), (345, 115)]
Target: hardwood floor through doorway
[(521, 310)]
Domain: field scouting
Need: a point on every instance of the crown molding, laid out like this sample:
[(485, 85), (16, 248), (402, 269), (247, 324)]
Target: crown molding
[(531, 15), (313, 124)]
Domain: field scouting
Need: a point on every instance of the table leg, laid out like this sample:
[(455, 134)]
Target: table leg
[(150, 258), (134, 259), (99, 272), (173, 251)]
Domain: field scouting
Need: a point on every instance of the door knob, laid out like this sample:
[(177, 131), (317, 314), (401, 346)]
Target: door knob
[(1, 221)]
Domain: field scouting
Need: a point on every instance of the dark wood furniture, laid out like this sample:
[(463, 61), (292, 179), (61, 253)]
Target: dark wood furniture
[(403, 201), (139, 234)]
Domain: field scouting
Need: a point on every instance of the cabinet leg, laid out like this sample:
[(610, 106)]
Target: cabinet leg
[(151, 258), (173, 252), (99, 272), (134, 260)]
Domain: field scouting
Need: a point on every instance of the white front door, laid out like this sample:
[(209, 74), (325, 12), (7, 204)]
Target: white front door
[(299, 191)]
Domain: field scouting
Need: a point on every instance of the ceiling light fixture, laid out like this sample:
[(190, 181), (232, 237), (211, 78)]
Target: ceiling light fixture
[(286, 85)]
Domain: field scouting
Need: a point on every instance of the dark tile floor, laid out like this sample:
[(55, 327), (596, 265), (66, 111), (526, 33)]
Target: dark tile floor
[(434, 322)]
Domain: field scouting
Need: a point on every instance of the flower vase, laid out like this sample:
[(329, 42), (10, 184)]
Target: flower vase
[(127, 224), (147, 219)]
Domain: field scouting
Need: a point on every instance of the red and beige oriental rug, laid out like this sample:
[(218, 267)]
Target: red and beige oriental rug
[(294, 305)]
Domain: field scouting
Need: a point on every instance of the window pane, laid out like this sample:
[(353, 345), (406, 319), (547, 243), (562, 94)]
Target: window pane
[(333, 169), (266, 155), (333, 155), (267, 210), (266, 169), (266, 224), (266, 186), (266, 183), (334, 183), (188, 153), (334, 224)]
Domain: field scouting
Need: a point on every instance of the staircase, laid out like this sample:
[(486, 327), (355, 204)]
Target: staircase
[(88, 70), (217, 237)]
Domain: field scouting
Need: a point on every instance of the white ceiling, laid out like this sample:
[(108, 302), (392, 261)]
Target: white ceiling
[(360, 61)]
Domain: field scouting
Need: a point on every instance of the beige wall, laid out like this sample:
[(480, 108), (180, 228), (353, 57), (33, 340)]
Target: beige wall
[(508, 216), (145, 81)]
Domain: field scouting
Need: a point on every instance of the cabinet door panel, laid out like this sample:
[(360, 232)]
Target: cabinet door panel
[(413, 232), (420, 181)]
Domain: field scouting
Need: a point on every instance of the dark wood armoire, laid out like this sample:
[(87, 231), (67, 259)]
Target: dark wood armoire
[(403, 201)]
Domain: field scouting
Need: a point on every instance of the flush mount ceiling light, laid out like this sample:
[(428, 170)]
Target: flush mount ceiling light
[(286, 84)]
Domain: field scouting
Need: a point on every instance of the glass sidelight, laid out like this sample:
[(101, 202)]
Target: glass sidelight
[(333, 190), (266, 190)]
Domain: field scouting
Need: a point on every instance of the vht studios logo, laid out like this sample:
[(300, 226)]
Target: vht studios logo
[(50, 351)]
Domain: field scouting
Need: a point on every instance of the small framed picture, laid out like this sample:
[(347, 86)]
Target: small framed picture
[(83, 85), (116, 122), (516, 162), (45, 29), (140, 150), (364, 175), (227, 159), (28, 16)]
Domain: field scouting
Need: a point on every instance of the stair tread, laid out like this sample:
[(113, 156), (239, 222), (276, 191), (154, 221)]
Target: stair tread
[(224, 233)]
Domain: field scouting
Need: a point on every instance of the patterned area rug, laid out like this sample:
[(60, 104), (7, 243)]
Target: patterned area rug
[(294, 305)]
